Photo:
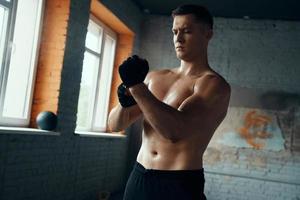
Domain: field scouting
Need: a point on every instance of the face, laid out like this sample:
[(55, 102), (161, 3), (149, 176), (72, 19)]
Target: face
[(190, 37)]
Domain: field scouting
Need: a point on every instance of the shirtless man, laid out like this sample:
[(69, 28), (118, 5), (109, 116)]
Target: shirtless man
[(182, 107)]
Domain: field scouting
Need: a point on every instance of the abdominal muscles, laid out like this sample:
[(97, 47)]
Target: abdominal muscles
[(157, 152)]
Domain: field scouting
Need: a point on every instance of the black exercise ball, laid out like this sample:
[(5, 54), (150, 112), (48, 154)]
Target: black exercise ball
[(46, 120)]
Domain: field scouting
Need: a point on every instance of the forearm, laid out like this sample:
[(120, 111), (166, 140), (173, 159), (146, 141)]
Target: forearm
[(166, 120), (120, 118)]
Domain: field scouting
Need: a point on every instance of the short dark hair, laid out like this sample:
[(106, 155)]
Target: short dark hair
[(200, 12)]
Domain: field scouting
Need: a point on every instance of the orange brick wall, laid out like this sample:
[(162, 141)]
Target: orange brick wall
[(51, 54)]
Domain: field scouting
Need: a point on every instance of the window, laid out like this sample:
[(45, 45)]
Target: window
[(20, 24), (96, 77)]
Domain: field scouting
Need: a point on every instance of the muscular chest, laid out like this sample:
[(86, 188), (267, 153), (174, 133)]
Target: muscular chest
[(172, 91)]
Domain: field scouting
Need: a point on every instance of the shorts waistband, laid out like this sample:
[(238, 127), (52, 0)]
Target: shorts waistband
[(180, 174)]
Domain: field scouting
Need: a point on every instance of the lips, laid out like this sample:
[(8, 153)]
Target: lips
[(179, 48)]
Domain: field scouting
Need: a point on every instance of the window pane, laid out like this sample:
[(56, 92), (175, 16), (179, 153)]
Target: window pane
[(3, 28), (87, 90), (94, 37), (105, 82), (23, 59)]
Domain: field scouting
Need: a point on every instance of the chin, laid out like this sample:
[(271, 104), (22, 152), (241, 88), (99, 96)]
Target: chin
[(182, 56)]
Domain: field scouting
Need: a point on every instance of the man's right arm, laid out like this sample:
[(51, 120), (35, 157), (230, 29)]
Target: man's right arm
[(120, 118)]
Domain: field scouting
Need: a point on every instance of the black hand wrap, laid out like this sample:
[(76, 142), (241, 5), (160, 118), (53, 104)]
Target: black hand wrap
[(133, 71), (125, 99)]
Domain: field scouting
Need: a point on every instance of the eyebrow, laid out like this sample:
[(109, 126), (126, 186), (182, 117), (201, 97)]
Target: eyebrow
[(185, 27)]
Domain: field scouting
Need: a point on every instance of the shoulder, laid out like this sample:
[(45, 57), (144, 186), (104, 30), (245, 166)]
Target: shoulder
[(212, 83), (157, 74)]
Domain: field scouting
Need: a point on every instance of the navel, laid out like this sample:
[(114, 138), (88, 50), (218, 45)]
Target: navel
[(154, 153)]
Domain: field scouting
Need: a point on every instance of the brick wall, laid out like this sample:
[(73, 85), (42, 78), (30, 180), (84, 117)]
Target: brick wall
[(250, 53), (130, 14), (50, 59), (65, 166)]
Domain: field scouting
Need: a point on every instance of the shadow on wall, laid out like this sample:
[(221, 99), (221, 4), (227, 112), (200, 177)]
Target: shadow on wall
[(281, 100), (262, 98)]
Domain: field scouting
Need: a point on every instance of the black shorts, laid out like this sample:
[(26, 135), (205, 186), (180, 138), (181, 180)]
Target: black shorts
[(150, 184)]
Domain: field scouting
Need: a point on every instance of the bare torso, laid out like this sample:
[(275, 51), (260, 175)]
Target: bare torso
[(157, 152)]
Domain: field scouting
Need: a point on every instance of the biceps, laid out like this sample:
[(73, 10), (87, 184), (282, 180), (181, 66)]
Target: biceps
[(195, 111), (192, 104)]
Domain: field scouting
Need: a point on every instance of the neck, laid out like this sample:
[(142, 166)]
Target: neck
[(194, 67)]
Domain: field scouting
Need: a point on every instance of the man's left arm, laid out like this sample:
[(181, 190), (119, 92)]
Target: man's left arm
[(189, 118)]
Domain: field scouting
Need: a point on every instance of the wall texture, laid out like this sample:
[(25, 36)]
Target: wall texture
[(66, 166), (130, 14), (50, 61)]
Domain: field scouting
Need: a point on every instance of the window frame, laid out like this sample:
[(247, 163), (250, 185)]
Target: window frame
[(92, 129), (6, 61), (12, 6)]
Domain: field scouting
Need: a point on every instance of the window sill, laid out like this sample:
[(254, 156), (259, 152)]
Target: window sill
[(103, 135), (26, 131), (35, 131)]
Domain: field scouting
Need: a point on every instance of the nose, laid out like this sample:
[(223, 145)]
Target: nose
[(179, 37)]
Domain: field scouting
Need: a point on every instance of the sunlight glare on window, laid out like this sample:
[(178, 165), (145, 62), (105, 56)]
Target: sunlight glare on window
[(87, 86), (93, 37), (3, 27), (18, 91), (105, 82)]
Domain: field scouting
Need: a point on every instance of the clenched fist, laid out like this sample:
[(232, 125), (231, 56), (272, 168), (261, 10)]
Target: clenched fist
[(133, 71)]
